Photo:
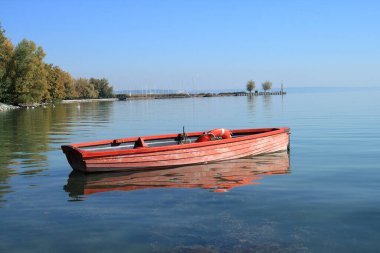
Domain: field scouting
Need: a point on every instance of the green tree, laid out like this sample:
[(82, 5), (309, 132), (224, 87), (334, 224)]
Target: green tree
[(29, 81), (85, 89), (69, 83), (25, 78), (6, 54), (56, 82), (251, 86), (103, 88), (3, 53), (266, 85)]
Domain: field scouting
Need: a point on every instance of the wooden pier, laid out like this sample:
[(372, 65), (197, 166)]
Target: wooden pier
[(262, 93), (223, 94)]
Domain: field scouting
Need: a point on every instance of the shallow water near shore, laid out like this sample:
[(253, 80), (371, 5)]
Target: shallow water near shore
[(321, 197)]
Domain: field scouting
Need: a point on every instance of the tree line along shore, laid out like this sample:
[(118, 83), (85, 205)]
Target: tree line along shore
[(25, 79)]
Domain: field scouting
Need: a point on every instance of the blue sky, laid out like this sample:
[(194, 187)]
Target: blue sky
[(204, 44)]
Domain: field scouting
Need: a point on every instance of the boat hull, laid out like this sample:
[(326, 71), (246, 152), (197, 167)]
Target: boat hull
[(259, 142)]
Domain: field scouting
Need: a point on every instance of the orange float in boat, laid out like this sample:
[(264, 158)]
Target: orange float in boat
[(215, 134)]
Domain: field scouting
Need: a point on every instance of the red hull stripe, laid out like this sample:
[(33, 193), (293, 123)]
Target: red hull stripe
[(242, 152), (174, 147), (259, 146)]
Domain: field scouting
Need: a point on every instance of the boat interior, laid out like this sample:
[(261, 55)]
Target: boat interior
[(159, 142)]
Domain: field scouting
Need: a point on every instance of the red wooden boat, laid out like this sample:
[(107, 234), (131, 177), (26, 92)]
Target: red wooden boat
[(217, 177), (171, 150)]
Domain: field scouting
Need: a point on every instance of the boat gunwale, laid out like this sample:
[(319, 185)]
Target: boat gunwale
[(93, 154)]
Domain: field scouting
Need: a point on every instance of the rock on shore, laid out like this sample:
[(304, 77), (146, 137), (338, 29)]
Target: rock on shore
[(4, 107)]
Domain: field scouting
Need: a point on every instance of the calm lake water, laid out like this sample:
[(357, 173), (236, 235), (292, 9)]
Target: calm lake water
[(322, 197)]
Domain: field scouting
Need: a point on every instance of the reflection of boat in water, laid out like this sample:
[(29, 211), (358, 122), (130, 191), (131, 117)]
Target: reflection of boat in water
[(218, 177)]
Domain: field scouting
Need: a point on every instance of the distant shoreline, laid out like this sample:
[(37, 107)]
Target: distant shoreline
[(67, 101), (5, 107), (123, 97)]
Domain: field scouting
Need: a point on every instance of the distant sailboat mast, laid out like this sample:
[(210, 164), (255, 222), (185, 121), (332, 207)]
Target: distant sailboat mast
[(282, 88)]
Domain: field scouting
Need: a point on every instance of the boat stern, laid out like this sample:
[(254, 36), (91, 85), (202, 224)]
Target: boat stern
[(74, 157)]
